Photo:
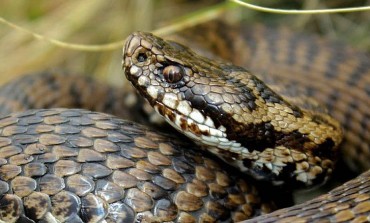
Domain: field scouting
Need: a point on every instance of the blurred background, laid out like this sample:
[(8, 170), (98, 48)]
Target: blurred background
[(105, 21)]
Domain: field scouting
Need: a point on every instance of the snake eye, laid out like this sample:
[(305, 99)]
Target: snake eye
[(173, 74)]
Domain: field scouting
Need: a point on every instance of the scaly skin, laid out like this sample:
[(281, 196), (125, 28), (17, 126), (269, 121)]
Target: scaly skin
[(70, 165), (330, 80), (35, 144), (234, 113), (332, 73)]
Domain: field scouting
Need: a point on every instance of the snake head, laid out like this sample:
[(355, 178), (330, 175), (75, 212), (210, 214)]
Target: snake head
[(231, 111), (178, 84), (167, 75)]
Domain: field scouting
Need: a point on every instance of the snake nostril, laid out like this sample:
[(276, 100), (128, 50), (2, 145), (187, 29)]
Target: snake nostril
[(141, 57)]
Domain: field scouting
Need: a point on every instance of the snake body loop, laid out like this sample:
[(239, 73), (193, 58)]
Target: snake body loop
[(299, 64), (71, 165)]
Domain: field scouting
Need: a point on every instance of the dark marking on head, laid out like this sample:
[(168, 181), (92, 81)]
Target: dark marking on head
[(293, 140), (194, 128), (183, 123), (161, 109), (325, 150), (171, 115), (253, 136), (199, 102)]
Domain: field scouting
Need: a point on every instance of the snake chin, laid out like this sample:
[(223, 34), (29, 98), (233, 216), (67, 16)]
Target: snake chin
[(265, 166), (230, 110)]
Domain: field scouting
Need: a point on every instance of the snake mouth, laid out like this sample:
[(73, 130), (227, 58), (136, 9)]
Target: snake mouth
[(195, 125), (145, 68), (227, 109), (255, 163)]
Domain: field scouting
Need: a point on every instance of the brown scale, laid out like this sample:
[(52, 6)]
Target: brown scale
[(58, 89), (347, 203), (349, 210), (253, 115), (332, 73), (353, 205), (77, 165)]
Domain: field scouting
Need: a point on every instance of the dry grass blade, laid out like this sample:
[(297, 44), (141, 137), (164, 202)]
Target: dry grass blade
[(97, 29), (301, 11)]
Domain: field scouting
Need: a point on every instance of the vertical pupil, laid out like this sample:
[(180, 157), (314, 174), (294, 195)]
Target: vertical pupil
[(171, 76), (172, 73)]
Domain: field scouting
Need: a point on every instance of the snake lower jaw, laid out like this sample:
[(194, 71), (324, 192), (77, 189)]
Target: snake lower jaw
[(227, 107), (280, 165)]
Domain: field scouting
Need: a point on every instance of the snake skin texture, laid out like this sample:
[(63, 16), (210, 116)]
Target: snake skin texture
[(54, 89), (258, 44), (332, 73), (68, 165), (59, 165), (347, 203), (225, 106)]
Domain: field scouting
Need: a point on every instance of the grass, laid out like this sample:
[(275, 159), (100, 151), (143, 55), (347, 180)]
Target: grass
[(102, 21)]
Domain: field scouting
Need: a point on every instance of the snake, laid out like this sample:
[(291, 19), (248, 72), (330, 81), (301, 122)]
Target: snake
[(82, 165)]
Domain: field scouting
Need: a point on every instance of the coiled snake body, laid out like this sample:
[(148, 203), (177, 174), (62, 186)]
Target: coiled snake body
[(70, 165)]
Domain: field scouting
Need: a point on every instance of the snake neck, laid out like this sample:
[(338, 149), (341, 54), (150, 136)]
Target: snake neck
[(230, 109)]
